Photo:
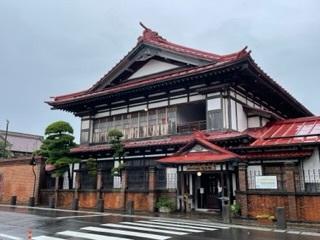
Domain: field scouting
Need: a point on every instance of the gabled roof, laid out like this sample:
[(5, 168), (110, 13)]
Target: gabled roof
[(22, 142), (150, 38), (207, 153), (167, 76), (289, 132)]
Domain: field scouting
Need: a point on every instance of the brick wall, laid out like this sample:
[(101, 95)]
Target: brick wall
[(17, 179), (306, 206)]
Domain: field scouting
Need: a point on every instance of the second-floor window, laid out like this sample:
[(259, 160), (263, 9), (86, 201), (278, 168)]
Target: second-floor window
[(155, 122)]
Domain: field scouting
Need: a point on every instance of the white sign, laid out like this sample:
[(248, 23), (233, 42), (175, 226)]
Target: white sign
[(266, 182)]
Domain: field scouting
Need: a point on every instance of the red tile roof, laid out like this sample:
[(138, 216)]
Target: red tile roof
[(278, 155), (213, 152), (289, 132), (150, 37), (167, 76), (165, 141)]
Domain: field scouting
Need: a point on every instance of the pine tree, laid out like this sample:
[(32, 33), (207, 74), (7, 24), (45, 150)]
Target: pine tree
[(56, 148)]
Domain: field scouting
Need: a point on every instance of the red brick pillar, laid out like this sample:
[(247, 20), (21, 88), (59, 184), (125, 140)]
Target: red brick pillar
[(289, 178), (152, 187), (99, 184), (77, 185), (124, 184), (242, 197)]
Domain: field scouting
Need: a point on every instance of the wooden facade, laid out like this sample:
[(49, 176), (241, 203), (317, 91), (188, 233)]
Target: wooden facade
[(198, 127)]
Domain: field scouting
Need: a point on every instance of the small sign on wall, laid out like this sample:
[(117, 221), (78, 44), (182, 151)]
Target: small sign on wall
[(266, 182)]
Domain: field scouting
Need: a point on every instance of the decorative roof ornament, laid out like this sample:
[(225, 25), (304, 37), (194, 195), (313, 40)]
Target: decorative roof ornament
[(150, 35)]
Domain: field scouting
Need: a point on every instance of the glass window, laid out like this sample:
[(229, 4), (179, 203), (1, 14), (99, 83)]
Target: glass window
[(172, 120), (152, 127), (134, 125), (162, 122), (143, 132)]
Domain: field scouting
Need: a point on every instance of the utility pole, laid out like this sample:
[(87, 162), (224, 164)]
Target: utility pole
[(5, 138)]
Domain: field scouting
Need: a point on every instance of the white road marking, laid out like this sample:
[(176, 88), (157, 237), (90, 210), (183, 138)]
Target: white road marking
[(144, 229), (293, 232), (311, 234), (82, 216), (47, 238), (163, 227), (10, 236), (180, 225), (90, 236), (128, 233), (191, 223)]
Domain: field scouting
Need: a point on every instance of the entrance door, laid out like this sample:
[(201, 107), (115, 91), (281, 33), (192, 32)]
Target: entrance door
[(211, 183), (209, 192)]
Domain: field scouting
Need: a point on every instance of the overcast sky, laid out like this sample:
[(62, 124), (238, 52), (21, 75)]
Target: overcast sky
[(52, 47)]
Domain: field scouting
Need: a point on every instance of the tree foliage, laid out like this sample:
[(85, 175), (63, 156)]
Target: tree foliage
[(115, 136), (117, 147), (4, 150), (56, 146)]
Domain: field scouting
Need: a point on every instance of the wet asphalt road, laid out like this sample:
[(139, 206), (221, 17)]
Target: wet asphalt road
[(56, 225)]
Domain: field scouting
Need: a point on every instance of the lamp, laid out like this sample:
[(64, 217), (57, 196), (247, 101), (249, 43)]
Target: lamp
[(199, 174)]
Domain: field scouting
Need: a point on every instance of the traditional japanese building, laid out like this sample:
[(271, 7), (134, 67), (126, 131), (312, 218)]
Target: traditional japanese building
[(202, 128)]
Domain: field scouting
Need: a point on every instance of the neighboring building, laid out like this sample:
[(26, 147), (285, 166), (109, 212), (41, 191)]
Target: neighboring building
[(21, 144), (198, 127)]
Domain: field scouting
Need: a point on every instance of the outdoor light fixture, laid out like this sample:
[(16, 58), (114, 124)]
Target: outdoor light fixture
[(199, 174), (146, 109)]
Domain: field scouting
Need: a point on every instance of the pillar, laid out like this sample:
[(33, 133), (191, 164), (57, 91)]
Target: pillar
[(242, 197), (99, 184), (124, 184), (56, 191), (289, 178), (151, 189)]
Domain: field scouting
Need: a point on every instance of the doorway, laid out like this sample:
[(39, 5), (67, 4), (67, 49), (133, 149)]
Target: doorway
[(209, 191)]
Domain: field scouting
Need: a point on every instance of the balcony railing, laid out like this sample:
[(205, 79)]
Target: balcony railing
[(192, 126), (153, 130)]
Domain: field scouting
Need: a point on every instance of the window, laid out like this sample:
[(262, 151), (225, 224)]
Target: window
[(137, 179), (143, 129)]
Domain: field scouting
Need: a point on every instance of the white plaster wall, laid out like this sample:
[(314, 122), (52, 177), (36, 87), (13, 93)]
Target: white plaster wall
[(225, 113), (242, 118), (313, 162), (253, 122), (151, 67), (233, 115)]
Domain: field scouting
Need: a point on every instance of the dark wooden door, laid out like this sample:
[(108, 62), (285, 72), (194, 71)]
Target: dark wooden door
[(211, 191)]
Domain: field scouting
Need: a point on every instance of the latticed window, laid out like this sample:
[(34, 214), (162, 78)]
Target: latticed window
[(137, 179), (105, 168)]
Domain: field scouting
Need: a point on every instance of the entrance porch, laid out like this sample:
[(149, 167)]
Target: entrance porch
[(204, 190)]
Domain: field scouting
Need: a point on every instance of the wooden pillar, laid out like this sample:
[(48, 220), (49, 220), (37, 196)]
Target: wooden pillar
[(242, 197), (56, 191), (182, 187), (151, 190), (289, 178)]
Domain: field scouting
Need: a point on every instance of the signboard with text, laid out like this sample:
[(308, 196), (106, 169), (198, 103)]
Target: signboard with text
[(266, 182)]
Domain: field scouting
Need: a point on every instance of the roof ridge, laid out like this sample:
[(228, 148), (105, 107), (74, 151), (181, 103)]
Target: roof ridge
[(153, 37)]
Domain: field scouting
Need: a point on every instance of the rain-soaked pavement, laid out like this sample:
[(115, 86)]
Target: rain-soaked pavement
[(58, 225)]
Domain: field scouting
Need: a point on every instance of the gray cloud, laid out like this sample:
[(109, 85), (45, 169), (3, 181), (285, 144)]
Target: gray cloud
[(51, 47)]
